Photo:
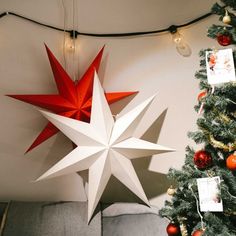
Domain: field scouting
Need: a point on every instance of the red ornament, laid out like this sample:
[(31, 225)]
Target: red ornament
[(231, 162), (202, 159), (224, 39), (73, 100), (198, 232), (172, 229), (201, 95)]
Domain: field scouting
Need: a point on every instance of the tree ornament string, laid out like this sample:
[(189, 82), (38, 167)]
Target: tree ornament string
[(227, 191), (229, 100), (230, 194), (198, 211)]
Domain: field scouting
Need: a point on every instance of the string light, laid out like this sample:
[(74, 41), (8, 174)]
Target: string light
[(69, 43), (181, 46), (75, 33)]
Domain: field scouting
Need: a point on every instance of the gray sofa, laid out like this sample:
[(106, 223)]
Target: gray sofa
[(70, 219)]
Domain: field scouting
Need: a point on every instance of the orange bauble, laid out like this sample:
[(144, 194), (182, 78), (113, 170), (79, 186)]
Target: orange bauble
[(231, 162), (201, 95), (198, 232)]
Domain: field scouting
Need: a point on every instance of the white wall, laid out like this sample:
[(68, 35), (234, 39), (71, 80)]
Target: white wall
[(147, 64)]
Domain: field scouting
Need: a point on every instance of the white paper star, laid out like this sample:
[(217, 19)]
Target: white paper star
[(105, 147)]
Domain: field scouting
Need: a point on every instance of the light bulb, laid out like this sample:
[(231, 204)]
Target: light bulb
[(70, 45), (177, 37), (181, 46)]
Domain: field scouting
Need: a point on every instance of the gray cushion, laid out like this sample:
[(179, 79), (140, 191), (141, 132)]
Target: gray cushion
[(50, 219), (127, 219)]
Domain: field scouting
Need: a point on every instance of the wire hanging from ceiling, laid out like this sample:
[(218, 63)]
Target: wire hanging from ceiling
[(64, 33)]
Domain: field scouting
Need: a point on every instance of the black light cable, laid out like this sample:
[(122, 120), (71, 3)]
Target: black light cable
[(74, 33)]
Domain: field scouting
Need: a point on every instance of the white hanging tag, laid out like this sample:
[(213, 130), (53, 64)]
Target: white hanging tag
[(220, 66), (209, 194)]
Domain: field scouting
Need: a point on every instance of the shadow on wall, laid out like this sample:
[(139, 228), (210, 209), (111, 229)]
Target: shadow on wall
[(58, 150)]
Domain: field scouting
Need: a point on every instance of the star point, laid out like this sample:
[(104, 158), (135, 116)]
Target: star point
[(106, 147), (74, 99)]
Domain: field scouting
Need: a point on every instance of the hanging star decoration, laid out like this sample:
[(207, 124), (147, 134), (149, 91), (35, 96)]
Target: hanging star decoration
[(73, 99), (106, 147)]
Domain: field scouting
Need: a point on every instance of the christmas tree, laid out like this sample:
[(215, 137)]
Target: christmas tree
[(212, 168)]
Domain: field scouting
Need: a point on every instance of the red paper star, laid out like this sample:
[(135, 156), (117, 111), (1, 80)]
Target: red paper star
[(73, 100)]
